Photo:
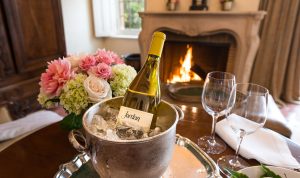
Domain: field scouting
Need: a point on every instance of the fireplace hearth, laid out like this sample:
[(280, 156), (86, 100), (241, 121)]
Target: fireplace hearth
[(186, 91)]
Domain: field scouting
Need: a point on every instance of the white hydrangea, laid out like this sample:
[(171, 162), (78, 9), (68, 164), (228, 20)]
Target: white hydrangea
[(122, 76)]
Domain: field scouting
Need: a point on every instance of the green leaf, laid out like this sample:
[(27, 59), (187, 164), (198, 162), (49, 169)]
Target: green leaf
[(71, 121), (268, 172), (55, 100), (235, 174)]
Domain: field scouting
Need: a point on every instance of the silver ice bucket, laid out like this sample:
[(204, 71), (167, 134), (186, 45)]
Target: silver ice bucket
[(144, 158)]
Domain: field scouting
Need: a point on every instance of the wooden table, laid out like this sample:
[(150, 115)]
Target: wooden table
[(40, 154)]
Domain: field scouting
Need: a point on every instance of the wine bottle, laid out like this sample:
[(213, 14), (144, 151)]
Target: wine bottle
[(142, 97)]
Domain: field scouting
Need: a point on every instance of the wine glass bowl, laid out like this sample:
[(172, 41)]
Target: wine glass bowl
[(215, 98), (214, 101), (250, 109), (248, 114)]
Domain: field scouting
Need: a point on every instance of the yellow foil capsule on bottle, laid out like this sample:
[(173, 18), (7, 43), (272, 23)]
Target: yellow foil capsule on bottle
[(157, 43)]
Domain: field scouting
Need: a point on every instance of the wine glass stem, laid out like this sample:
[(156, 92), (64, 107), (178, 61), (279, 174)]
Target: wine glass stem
[(242, 134), (213, 128)]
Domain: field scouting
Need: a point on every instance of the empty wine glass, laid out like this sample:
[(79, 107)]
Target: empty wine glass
[(215, 98), (248, 114)]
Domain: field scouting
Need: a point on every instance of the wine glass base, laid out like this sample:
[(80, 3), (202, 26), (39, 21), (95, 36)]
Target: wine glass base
[(211, 146), (230, 162)]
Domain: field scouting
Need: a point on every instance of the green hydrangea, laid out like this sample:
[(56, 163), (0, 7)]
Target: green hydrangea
[(74, 98), (45, 101), (122, 77)]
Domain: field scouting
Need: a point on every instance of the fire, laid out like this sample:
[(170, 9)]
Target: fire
[(185, 73)]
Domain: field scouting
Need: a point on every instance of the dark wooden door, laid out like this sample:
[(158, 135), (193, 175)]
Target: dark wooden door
[(36, 31), (6, 62), (31, 34)]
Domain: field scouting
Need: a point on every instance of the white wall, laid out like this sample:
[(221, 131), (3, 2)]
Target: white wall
[(78, 27), (214, 5), (122, 46)]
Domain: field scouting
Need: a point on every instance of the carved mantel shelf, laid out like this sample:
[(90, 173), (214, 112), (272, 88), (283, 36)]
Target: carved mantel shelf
[(243, 26)]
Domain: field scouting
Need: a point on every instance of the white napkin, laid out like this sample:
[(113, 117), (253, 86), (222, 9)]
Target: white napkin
[(264, 145), (274, 112), (36, 120)]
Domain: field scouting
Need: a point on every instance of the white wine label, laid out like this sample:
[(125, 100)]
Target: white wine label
[(135, 118)]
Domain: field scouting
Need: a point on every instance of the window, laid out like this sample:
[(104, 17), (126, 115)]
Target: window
[(117, 17), (129, 20)]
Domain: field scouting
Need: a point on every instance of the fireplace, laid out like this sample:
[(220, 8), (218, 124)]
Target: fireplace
[(187, 58), (225, 41)]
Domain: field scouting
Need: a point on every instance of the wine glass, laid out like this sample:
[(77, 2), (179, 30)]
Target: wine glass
[(248, 114), (215, 98)]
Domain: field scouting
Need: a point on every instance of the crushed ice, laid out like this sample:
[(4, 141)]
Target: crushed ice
[(106, 127)]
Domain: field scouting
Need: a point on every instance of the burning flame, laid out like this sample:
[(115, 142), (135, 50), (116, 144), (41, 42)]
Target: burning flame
[(185, 74)]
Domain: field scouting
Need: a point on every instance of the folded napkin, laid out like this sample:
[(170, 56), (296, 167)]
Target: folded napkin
[(34, 121), (274, 112), (264, 145)]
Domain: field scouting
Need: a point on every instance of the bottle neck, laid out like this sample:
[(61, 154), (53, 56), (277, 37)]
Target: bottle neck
[(152, 57), (152, 63)]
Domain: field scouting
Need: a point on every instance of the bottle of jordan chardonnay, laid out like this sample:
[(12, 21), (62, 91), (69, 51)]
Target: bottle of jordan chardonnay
[(142, 97)]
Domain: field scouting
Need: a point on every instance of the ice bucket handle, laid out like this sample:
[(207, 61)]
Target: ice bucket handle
[(179, 111), (78, 140)]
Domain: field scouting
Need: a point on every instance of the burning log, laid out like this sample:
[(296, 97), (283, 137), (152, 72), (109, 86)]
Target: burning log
[(199, 71), (185, 73)]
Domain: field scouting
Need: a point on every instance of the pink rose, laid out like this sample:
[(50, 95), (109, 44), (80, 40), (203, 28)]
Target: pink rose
[(103, 56), (102, 70), (87, 62), (56, 75), (74, 60), (116, 58)]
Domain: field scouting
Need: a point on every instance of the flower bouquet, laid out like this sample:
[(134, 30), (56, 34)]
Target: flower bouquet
[(77, 82)]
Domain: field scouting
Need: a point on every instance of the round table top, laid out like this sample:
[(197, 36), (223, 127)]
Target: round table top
[(41, 153)]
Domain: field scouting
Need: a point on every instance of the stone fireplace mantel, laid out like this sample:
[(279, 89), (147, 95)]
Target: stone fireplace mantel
[(243, 26)]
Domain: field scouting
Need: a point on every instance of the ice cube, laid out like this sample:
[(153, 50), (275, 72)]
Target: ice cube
[(123, 131), (101, 133), (154, 132), (128, 133), (138, 134), (145, 135), (111, 113), (111, 135), (98, 125), (111, 124)]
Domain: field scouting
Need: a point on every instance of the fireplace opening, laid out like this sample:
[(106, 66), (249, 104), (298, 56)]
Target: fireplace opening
[(206, 54), (186, 60), (183, 72)]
